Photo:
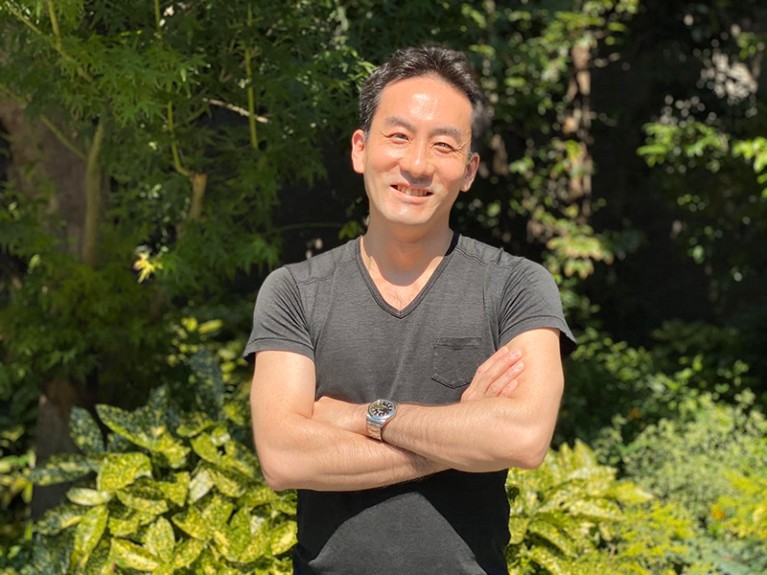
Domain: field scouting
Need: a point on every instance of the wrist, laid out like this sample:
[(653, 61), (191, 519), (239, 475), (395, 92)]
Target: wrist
[(379, 413)]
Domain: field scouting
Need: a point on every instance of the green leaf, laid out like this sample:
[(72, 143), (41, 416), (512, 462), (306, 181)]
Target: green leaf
[(59, 518), (555, 538), (85, 432), (229, 484), (257, 496), (88, 534), (549, 560), (283, 538), (175, 491), (121, 469), (132, 556), (204, 447), (193, 424), (88, 497), (217, 511), (211, 389), (234, 538), (192, 523), (101, 561), (143, 500), (241, 459), (60, 469), (160, 539), (142, 428), (258, 545), (187, 553), (125, 525), (200, 485), (518, 529)]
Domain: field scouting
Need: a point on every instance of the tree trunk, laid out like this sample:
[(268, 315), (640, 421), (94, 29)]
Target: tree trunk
[(41, 165)]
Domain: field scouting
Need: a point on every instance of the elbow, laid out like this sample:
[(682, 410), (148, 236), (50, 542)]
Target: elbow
[(274, 479), (277, 475), (529, 451)]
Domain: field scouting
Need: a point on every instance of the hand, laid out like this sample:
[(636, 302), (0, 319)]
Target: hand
[(338, 413), (497, 377)]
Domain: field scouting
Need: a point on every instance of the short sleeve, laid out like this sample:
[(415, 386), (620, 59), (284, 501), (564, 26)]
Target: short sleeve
[(531, 300), (279, 319)]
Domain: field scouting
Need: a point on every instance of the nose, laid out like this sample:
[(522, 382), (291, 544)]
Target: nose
[(416, 164)]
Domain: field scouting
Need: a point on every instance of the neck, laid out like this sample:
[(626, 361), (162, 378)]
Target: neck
[(403, 259)]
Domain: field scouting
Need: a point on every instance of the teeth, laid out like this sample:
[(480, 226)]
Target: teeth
[(412, 192)]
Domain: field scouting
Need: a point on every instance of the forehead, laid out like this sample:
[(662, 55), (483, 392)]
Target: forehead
[(427, 99)]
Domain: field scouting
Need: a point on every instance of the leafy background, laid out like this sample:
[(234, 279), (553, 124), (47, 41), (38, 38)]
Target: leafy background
[(160, 157)]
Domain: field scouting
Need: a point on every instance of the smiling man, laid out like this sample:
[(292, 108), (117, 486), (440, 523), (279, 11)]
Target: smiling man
[(399, 376)]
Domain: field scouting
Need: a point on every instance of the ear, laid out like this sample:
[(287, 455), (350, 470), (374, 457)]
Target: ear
[(358, 151), (471, 171)]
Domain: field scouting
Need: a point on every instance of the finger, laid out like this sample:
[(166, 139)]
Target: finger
[(509, 389), (493, 368), (499, 384)]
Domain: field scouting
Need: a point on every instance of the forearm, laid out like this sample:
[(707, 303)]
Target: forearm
[(489, 434), (309, 454)]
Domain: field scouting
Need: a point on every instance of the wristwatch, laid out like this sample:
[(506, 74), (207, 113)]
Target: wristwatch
[(380, 412)]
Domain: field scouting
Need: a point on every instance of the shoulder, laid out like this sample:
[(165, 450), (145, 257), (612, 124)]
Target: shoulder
[(321, 266), (499, 262)]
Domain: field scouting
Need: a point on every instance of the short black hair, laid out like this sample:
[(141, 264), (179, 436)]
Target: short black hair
[(450, 65)]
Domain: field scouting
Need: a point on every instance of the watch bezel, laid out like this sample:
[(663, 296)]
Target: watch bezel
[(379, 414)]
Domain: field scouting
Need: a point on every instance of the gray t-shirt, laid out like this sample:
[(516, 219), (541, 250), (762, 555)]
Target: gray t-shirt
[(328, 309)]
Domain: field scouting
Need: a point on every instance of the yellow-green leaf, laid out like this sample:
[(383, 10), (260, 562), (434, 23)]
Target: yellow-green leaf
[(217, 511), (192, 523), (59, 518), (228, 483), (176, 490), (204, 447), (518, 529), (88, 534), (85, 432), (101, 561), (283, 537), (258, 545), (257, 496), (233, 538), (200, 485), (88, 497), (193, 424), (187, 553), (121, 469), (59, 469), (160, 539), (130, 555), (142, 500)]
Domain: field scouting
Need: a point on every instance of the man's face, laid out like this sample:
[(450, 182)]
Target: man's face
[(417, 157)]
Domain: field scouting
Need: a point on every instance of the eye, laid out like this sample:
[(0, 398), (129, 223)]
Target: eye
[(444, 147), (398, 136)]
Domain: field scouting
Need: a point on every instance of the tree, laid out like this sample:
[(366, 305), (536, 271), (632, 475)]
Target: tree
[(148, 146)]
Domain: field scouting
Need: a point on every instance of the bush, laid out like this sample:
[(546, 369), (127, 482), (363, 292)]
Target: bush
[(714, 467), (169, 492), (564, 513)]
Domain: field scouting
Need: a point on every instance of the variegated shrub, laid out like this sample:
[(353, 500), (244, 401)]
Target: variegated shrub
[(169, 491)]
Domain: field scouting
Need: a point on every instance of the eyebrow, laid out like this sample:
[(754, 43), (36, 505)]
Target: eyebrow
[(394, 121)]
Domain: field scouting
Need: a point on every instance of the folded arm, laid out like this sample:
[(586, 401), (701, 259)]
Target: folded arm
[(298, 452), (483, 432), (504, 419)]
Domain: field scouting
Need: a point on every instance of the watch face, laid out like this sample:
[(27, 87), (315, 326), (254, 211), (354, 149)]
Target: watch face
[(381, 408)]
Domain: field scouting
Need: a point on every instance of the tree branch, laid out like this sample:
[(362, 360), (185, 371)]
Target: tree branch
[(92, 197)]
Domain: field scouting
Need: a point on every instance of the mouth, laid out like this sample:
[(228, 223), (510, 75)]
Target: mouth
[(412, 192)]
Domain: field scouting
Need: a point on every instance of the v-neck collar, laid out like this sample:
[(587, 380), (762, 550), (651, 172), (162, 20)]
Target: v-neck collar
[(375, 292)]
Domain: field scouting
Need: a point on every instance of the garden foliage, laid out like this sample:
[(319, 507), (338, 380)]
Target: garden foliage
[(170, 491), (201, 143)]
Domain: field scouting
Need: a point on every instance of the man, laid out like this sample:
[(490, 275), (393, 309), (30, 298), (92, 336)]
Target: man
[(431, 324)]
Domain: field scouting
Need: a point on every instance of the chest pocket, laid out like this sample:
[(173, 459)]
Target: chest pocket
[(455, 360)]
